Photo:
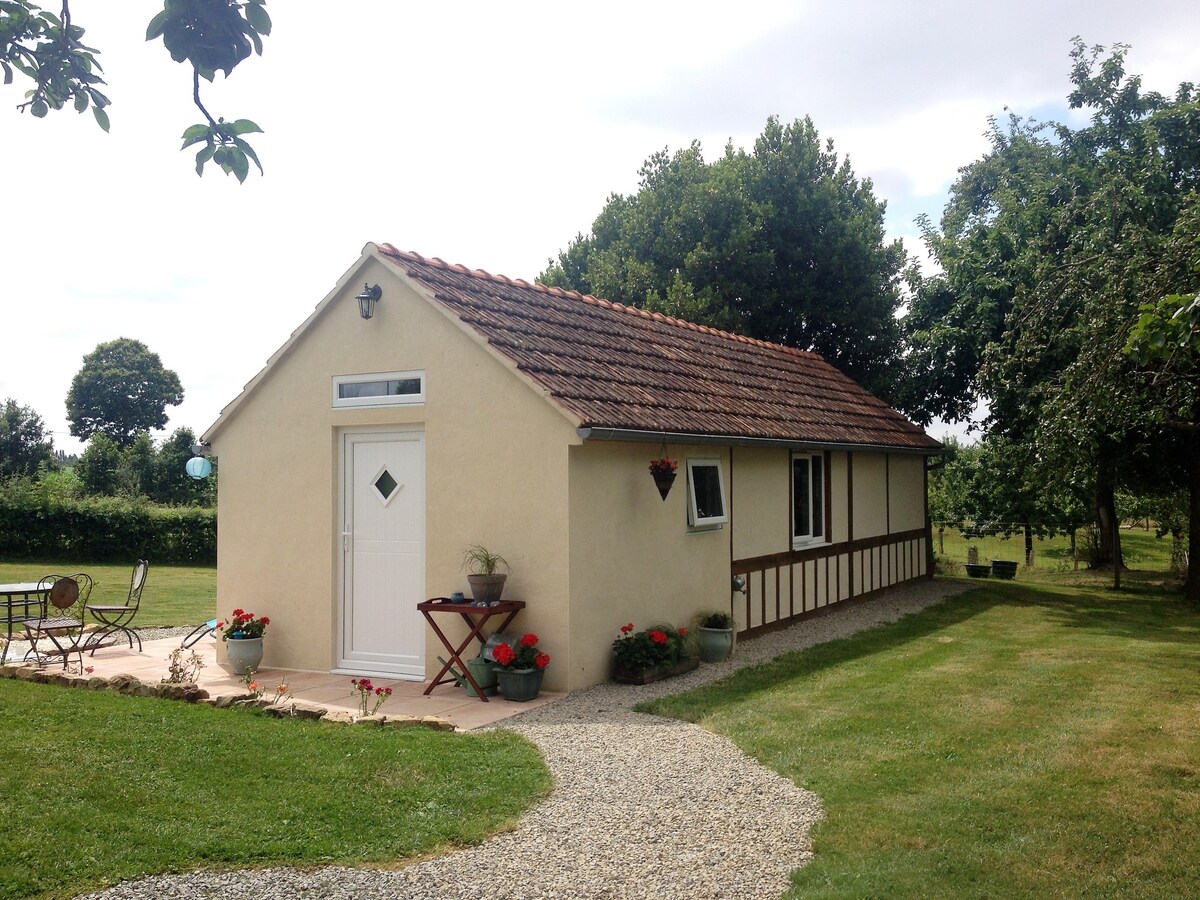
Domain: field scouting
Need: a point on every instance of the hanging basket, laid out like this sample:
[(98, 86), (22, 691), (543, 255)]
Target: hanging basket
[(663, 481)]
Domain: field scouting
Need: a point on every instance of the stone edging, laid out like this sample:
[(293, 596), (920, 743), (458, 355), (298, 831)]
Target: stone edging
[(192, 693)]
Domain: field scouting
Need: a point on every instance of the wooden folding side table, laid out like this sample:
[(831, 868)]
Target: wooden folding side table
[(475, 617)]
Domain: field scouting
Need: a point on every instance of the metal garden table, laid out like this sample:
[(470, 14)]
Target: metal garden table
[(22, 601)]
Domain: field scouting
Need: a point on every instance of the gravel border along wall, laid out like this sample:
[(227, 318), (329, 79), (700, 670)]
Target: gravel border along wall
[(642, 807)]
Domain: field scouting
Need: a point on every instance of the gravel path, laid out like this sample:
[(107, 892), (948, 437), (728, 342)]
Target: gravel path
[(642, 806)]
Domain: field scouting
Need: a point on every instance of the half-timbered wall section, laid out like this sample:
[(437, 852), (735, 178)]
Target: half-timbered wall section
[(874, 533)]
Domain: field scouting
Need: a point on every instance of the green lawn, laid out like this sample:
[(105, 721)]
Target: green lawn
[(174, 595), (100, 787), (1021, 740), (1052, 556)]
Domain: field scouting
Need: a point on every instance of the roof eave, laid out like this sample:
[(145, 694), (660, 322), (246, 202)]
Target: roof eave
[(593, 433)]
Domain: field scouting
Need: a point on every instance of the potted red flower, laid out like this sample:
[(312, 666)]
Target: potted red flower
[(243, 636), (519, 668), (660, 651)]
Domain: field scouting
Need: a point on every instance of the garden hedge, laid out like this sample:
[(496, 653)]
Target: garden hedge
[(99, 529)]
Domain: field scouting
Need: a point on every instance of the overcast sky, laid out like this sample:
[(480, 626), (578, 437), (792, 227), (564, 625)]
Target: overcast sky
[(484, 134)]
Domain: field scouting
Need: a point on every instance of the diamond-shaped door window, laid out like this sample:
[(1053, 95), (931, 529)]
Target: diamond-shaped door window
[(386, 485)]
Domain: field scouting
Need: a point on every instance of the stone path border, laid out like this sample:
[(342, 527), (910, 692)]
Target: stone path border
[(642, 807), (191, 693)]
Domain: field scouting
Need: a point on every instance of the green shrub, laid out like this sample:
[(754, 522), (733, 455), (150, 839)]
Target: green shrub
[(36, 523)]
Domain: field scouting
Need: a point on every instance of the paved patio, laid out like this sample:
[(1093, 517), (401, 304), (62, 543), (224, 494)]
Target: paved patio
[(331, 691)]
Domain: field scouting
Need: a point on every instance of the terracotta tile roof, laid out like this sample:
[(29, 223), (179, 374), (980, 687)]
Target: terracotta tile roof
[(619, 367)]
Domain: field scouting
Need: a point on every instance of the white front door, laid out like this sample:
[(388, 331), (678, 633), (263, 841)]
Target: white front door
[(383, 546)]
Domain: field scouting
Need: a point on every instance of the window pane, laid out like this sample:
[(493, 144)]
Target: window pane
[(362, 389), (707, 487), (801, 510), (386, 485), (391, 388), (405, 386), (818, 496)]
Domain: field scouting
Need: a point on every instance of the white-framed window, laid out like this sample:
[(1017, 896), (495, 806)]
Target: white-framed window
[(808, 498), (379, 389), (706, 492)]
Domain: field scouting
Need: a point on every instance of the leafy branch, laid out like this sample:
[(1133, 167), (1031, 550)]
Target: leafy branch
[(214, 36), (49, 50), (211, 35)]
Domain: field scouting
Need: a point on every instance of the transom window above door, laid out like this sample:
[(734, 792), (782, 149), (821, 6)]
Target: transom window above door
[(379, 389)]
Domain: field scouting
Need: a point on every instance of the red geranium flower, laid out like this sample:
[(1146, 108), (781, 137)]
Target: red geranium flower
[(657, 636), (542, 660), (503, 654), (682, 632), (529, 640), (625, 629)]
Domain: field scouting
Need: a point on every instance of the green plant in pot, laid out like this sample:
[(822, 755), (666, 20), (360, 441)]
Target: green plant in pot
[(483, 575), (714, 636)]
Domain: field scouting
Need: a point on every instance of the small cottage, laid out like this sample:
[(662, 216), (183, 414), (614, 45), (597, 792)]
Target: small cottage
[(423, 408)]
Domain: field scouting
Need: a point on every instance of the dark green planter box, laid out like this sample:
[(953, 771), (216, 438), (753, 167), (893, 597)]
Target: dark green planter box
[(978, 571), (519, 685), (646, 676), (1003, 568)]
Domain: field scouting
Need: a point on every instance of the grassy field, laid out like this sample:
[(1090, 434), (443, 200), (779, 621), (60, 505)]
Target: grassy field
[(101, 787), (174, 595), (1021, 740), (1052, 556)]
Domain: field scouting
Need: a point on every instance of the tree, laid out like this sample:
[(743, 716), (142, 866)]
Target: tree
[(172, 484), (783, 243), (1049, 245), (1165, 341), (209, 35), (24, 444), (144, 470), (121, 389), (101, 468)]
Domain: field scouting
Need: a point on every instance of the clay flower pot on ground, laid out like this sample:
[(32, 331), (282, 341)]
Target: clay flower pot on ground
[(714, 639), (243, 634), (244, 654)]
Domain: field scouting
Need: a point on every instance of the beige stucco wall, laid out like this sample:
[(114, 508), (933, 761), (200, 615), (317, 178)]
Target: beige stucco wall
[(496, 473), (633, 557), (906, 482), (870, 494), (838, 529), (761, 492)]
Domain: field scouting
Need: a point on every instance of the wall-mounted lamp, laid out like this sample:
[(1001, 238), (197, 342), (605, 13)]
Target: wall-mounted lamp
[(198, 467), (367, 300)]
